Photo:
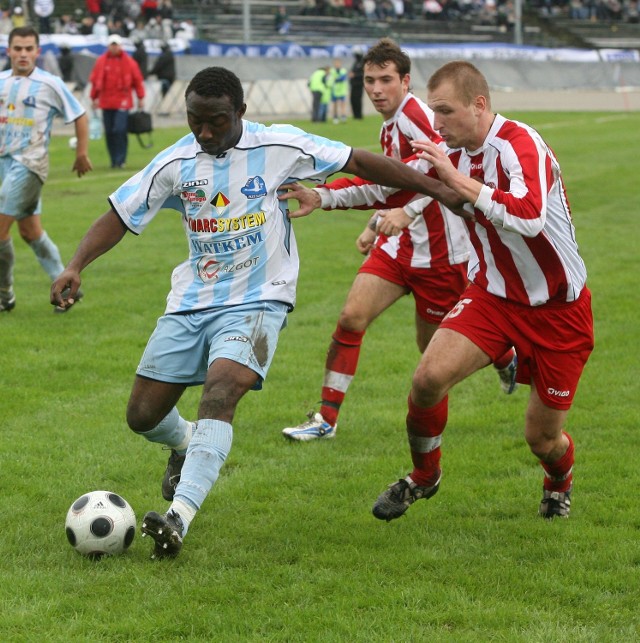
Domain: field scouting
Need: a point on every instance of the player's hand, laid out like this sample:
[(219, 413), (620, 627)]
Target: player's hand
[(65, 288), (465, 186), (308, 199), (82, 165), (365, 241), (392, 222), (436, 156)]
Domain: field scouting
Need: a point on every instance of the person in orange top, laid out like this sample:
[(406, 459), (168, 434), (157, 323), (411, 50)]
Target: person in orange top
[(114, 78)]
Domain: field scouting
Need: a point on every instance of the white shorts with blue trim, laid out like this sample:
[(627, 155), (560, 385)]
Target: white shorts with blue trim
[(20, 190), (182, 347)]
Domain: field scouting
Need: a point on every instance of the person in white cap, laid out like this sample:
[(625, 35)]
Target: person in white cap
[(114, 78), (100, 27)]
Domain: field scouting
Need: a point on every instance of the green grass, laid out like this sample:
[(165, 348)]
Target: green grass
[(285, 548)]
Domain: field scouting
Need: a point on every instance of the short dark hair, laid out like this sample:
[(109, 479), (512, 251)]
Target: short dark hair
[(24, 32), (217, 82), (387, 51)]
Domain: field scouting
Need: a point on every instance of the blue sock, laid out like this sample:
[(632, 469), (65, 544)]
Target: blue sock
[(173, 431), (208, 449), (48, 255)]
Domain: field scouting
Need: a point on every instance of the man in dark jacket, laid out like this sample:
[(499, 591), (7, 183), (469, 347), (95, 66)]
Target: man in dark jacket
[(141, 57), (164, 68)]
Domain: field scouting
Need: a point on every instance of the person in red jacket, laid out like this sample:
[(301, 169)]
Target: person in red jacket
[(114, 78)]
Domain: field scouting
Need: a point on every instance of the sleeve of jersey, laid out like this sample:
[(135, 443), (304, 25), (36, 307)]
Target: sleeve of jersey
[(139, 199), (356, 193), (519, 202), (72, 108)]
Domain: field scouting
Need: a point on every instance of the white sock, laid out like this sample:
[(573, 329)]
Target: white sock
[(186, 512)]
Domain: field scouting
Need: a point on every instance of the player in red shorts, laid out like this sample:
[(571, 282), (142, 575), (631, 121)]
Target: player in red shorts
[(527, 285), (427, 259)]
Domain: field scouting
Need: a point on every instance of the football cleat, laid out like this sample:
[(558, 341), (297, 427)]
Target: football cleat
[(393, 502), (7, 302), (172, 475), (555, 504), (166, 531), (507, 376), (315, 428)]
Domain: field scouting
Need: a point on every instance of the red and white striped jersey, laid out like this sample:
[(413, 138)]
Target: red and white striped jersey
[(523, 242), (438, 237)]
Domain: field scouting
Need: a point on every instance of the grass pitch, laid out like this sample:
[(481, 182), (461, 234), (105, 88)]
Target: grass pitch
[(285, 548)]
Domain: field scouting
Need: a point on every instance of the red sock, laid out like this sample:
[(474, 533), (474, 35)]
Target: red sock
[(505, 360), (424, 428), (559, 474), (340, 367)]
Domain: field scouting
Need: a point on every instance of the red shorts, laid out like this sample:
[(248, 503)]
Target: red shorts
[(435, 290), (553, 341)]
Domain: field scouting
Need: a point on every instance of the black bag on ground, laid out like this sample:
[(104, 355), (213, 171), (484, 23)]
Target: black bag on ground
[(140, 123)]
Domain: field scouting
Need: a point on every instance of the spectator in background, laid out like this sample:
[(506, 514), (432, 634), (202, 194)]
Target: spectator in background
[(154, 28), (149, 9), (164, 68), (165, 11), (281, 22), (141, 57), (67, 25), (431, 9), (356, 83), (118, 27), (139, 31), (338, 81), (318, 87), (86, 26), (44, 10), (186, 30), (65, 62), (17, 18), (100, 28), (113, 79), (93, 8)]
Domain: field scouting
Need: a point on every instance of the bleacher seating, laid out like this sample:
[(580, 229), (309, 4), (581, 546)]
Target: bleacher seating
[(545, 23), (603, 34)]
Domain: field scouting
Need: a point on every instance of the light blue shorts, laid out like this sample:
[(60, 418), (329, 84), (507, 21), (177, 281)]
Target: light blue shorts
[(182, 347), (20, 190)]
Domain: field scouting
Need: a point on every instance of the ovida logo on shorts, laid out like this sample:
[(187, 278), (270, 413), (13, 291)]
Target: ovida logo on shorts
[(557, 393)]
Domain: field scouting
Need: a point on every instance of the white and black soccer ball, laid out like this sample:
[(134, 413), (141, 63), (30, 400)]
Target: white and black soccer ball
[(100, 523), (73, 142)]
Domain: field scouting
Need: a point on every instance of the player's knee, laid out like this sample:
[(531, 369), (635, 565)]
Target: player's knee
[(140, 420), (353, 320), (547, 448), (428, 385)]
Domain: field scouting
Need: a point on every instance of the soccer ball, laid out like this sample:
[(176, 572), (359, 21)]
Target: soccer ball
[(100, 523), (73, 142)]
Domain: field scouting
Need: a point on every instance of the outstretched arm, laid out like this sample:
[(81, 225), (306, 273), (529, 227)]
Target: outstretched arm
[(393, 173), (103, 235)]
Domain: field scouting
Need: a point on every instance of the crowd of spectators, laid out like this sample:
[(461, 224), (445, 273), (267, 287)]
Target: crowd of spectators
[(592, 10), (499, 12), (155, 19), (134, 19)]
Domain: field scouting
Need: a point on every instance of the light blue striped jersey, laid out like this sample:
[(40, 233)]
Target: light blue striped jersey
[(28, 105), (241, 244)]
